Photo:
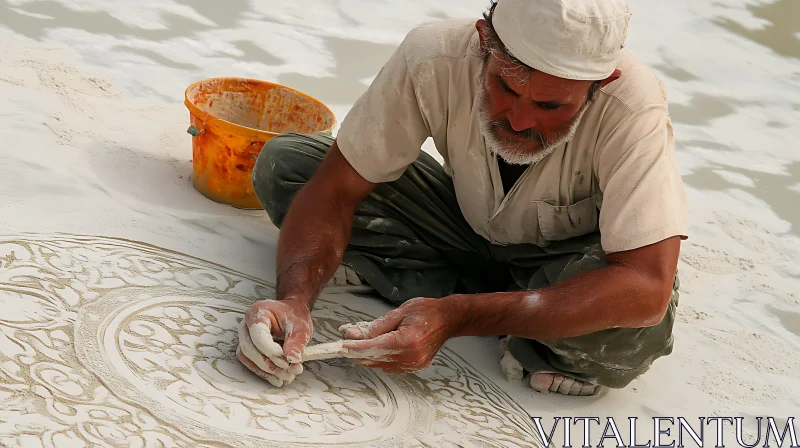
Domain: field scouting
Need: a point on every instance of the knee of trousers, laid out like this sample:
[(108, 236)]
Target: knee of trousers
[(612, 358), (283, 166), (618, 356)]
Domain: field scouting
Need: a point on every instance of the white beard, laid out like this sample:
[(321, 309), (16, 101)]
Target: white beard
[(515, 153)]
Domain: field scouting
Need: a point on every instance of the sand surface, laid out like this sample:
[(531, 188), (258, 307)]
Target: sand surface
[(94, 142)]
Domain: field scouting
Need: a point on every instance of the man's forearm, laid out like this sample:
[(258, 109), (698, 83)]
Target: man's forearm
[(316, 230), (311, 245), (610, 297)]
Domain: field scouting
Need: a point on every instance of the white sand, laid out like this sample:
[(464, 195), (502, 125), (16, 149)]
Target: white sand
[(94, 142)]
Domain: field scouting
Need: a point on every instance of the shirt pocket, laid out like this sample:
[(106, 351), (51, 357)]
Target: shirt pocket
[(561, 222)]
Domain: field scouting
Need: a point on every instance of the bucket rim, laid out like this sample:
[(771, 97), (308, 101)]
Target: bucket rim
[(245, 131)]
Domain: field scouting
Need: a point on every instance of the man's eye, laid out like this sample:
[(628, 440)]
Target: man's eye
[(548, 106), (505, 86)]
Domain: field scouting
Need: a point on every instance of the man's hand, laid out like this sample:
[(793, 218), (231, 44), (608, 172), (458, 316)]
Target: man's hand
[(404, 340), (264, 323), (305, 262)]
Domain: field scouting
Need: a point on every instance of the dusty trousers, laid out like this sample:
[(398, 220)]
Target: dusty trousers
[(409, 239)]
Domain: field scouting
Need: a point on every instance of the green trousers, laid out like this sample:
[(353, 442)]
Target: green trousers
[(409, 239)]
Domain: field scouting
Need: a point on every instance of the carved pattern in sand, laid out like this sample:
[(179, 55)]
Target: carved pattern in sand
[(107, 342)]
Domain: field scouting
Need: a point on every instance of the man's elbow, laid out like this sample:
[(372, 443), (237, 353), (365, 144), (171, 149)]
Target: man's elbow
[(657, 299), (651, 270)]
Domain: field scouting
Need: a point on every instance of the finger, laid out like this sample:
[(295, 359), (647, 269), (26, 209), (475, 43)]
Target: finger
[(283, 374), (260, 312), (272, 379), (298, 334), (296, 369), (264, 363), (357, 330), (368, 330), (368, 362), (261, 335), (254, 368)]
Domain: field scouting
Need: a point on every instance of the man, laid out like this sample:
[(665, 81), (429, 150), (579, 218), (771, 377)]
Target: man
[(556, 220)]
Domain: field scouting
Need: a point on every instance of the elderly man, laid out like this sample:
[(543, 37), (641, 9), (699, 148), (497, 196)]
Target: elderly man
[(556, 220)]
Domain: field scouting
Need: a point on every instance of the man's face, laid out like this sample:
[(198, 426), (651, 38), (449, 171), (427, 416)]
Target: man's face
[(526, 114)]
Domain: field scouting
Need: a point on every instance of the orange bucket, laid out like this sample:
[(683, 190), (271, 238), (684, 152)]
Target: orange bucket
[(231, 119)]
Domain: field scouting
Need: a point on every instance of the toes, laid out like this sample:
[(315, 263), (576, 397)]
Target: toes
[(597, 389), (588, 389), (560, 384), (576, 387), (557, 380), (541, 382), (565, 386)]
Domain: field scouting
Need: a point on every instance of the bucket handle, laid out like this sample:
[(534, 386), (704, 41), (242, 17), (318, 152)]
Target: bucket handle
[(193, 131)]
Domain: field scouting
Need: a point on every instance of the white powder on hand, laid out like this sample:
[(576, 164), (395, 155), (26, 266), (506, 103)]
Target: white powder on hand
[(262, 339), (358, 330), (251, 352)]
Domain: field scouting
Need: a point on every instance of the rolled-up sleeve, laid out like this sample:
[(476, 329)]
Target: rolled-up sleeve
[(384, 131), (643, 198)]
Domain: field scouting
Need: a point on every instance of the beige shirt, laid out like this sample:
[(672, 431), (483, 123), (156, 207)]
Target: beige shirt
[(617, 175)]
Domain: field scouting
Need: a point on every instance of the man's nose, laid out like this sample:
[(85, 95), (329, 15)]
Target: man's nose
[(522, 115)]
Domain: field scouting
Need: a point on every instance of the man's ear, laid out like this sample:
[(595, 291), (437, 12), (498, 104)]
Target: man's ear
[(614, 76), (482, 27)]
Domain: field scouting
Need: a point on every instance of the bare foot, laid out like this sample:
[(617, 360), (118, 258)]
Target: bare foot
[(346, 279), (554, 383), (545, 383), (511, 367)]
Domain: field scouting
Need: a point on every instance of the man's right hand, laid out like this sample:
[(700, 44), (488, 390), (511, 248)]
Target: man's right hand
[(264, 323), (327, 204)]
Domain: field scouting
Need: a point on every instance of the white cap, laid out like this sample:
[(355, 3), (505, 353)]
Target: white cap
[(572, 39)]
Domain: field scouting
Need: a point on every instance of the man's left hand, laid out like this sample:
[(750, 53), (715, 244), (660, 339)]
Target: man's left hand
[(405, 339)]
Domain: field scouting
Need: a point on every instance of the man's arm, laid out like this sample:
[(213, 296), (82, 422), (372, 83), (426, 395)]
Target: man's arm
[(381, 135), (313, 237), (632, 291), (316, 230)]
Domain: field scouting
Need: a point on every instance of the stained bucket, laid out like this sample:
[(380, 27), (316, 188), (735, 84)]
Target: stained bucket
[(231, 119)]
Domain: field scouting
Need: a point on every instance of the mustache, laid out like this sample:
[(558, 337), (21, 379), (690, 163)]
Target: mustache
[(527, 134)]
